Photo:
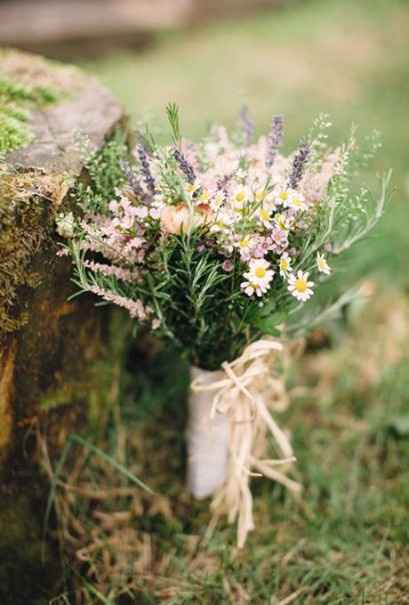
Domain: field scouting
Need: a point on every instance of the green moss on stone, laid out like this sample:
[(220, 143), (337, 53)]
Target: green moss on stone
[(26, 215), (16, 101), (29, 83)]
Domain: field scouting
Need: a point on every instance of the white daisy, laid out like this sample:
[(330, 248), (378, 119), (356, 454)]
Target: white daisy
[(258, 277), (263, 196), (239, 198), (299, 286), (225, 219), (291, 199), (264, 216), (296, 201), (191, 188), (283, 222), (244, 244), (322, 265), (284, 264)]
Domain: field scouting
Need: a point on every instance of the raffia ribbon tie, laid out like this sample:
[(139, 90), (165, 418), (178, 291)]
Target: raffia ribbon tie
[(247, 395)]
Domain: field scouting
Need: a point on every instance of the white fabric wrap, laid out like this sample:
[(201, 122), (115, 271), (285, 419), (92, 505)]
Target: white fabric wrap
[(207, 437), (231, 416)]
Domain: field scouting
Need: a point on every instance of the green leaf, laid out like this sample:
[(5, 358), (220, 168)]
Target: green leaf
[(267, 309), (268, 324), (172, 111)]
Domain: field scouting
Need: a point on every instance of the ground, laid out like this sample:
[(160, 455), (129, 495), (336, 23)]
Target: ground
[(345, 541)]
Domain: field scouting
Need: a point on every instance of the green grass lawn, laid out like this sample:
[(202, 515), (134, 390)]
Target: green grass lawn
[(345, 541)]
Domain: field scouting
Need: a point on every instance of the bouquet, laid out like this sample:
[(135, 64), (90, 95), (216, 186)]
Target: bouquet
[(216, 247)]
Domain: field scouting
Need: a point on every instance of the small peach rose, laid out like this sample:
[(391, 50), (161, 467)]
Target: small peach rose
[(180, 219), (175, 219)]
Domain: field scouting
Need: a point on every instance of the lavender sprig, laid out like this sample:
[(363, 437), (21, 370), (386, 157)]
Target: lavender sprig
[(185, 166), (133, 180), (299, 162), (146, 171), (223, 182), (274, 139), (248, 125)]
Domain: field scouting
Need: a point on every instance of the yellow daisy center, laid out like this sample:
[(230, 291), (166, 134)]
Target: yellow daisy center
[(300, 285), (240, 196), (260, 272), (279, 219), (264, 214), (284, 196)]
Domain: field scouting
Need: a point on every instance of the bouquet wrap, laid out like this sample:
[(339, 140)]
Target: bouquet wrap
[(208, 436), (225, 456)]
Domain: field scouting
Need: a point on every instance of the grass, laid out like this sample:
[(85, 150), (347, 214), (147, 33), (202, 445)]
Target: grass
[(346, 540)]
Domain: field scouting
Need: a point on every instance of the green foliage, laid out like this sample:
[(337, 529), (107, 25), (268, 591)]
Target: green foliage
[(104, 174), (172, 111), (201, 309)]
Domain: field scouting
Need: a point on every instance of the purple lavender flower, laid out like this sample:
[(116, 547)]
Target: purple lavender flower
[(223, 182), (133, 181), (299, 162), (146, 171), (274, 139), (248, 125), (185, 166)]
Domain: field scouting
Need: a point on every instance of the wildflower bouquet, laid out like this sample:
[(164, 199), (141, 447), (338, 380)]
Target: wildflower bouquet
[(216, 247)]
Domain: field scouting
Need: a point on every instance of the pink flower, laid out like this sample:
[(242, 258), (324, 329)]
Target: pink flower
[(135, 308), (119, 272)]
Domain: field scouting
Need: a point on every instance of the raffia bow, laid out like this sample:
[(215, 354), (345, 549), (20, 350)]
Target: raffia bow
[(246, 396)]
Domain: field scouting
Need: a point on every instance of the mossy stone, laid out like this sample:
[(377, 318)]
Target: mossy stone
[(49, 346)]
